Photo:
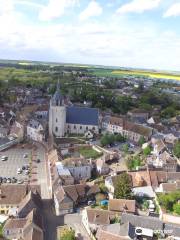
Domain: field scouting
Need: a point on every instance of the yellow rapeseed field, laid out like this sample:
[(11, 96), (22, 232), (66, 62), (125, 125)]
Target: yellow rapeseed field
[(148, 74)]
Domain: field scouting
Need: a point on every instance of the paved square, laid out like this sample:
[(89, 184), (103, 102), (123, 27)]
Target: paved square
[(15, 160)]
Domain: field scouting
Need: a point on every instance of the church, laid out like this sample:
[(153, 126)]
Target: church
[(65, 119)]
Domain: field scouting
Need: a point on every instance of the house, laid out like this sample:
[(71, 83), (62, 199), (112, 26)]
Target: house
[(138, 114), (42, 112), (159, 147), (31, 201), (17, 130), (122, 205), (11, 196), (169, 187), (101, 166), (143, 222), (80, 168), (67, 198), (134, 131), (115, 125), (64, 174), (116, 231), (92, 219), (172, 138), (28, 228), (35, 131), (145, 191)]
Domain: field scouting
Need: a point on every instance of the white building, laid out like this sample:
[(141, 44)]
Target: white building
[(35, 131), (79, 168), (70, 119)]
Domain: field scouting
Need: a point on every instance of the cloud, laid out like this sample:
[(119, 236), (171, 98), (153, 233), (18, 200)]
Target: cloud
[(28, 3), (93, 10), (56, 9), (173, 11), (138, 6)]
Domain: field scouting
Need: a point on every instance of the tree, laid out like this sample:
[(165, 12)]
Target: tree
[(125, 148), (68, 234), (147, 151), (176, 208), (107, 139), (177, 149), (141, 141), (119, 138), (123, 187)]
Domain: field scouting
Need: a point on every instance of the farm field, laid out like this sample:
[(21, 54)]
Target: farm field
[(148, 74)]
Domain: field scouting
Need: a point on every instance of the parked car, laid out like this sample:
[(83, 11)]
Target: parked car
[(4, 180), (14, 180), (27, 172), (19, 171), (20, 181), (25, 155), (38, 160), (1, 179), (9, 180), (4, 158)]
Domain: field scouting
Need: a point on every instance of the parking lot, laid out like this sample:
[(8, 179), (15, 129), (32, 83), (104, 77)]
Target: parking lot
[(15, 161)]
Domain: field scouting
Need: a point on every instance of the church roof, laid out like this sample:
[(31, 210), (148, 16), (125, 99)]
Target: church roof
[(82, 115)]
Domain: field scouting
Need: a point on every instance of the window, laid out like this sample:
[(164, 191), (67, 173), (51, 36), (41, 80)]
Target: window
[(74, 126), (80, 127), (87, 128), (56, 120), (56, 129)]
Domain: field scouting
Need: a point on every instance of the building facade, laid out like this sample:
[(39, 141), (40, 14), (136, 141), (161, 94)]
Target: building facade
[(70, 119)]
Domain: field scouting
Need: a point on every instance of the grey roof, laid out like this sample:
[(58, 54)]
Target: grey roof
[(142, 221), (125, 230), (82, 115), (172, 230), (34, 123)]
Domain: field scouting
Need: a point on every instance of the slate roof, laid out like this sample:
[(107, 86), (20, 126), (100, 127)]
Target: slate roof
[(82, 115), (142, 221)]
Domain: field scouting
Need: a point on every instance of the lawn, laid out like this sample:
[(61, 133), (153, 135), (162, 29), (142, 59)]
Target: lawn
[(89, 153)]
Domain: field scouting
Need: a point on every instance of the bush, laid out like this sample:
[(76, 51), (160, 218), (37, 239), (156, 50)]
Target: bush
[(68, 234), (147, 151), (176, 208)]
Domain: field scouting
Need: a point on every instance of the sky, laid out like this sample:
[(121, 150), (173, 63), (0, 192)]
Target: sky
[(125, 33)]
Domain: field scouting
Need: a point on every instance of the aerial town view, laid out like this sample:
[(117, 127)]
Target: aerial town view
[(89, 119)]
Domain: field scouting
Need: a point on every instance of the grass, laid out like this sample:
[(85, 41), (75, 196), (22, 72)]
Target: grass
[(89, 153)]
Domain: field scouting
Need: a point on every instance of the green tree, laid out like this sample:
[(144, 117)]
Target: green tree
[(147, 151), (176, 208), (119, 138), (141, 141), (103, 188), (68, 234), (177, 149), (123, 187)]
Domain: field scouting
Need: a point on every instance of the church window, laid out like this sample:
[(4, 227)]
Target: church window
[(56, 129), (80, 127), (56, 120), (74, 126), (87, 128)]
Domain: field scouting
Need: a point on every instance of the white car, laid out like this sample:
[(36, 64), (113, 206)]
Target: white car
[(4, 158), (19, 171), (25, 155), (26, 172)]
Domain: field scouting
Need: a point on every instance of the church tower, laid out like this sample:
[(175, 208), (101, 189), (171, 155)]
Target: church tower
[(57, 114)]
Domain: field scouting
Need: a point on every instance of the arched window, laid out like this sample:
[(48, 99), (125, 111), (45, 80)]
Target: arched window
[(56, 129), (56, 120)]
